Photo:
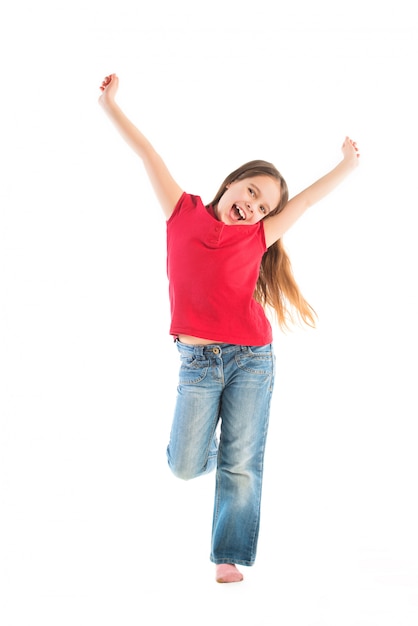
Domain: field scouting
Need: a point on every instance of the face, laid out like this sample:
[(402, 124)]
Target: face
[(249, 200)]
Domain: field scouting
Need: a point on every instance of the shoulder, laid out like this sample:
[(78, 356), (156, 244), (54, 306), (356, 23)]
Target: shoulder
[(187, 202)]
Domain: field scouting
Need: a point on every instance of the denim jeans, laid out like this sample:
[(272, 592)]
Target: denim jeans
[(230, 384)]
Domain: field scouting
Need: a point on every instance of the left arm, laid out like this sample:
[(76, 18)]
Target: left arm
[(277, 225)]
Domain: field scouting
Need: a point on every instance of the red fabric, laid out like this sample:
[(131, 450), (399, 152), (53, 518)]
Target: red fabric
[(212, 269)]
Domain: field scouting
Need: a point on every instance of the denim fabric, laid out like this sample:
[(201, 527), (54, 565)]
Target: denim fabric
[(232, 385)]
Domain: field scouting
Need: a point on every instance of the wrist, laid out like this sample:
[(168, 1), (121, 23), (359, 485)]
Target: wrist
[(350, 163), (108, 104)]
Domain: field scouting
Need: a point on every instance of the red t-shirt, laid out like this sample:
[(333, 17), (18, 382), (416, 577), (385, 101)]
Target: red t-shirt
[(212, 270)]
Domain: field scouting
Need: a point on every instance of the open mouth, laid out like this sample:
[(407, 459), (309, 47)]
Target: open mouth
[(239, 212)]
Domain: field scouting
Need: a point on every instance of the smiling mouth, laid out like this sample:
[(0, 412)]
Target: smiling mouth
[(239, 212)]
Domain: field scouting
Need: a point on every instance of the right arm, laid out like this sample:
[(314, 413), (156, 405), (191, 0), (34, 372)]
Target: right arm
[(167, 190), (276, 225)]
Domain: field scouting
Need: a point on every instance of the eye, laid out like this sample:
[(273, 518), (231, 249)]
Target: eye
[(263, 209), (251, 191)]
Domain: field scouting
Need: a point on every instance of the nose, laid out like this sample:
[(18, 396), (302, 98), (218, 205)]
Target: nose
[(249, 207)]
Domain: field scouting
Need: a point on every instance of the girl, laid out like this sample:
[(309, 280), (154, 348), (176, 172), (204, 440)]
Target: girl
[(226, 264)]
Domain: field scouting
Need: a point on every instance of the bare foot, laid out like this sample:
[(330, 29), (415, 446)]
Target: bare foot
[(228, 573)]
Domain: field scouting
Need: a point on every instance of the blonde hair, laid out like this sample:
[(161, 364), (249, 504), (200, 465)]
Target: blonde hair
[(276, 285)]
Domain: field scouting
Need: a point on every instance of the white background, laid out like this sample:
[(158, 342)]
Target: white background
[(94, 529)]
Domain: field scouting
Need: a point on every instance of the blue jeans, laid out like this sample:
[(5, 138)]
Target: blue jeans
[(232, 384)]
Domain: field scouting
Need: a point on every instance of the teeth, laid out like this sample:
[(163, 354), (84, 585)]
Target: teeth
[(241, 212)]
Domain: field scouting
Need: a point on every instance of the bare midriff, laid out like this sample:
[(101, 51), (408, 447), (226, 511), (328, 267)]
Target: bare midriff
[(196, 341)]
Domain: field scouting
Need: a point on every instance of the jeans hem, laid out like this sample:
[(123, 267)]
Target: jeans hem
[(221, 561)]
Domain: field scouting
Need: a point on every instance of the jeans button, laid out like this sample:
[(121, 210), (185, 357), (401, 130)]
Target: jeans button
[(216, 351)]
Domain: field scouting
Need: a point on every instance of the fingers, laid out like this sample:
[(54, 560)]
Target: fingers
[(106, 81), (353, 144)]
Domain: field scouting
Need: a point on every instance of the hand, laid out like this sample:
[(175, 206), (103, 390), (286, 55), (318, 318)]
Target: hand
[(350, 151), (109, 88)]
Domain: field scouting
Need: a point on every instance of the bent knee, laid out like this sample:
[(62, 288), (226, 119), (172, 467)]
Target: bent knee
[(184, 473), (188, 471), (187, 468)]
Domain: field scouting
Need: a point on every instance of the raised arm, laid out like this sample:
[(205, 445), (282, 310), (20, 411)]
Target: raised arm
[(167, 190), (277, 225)]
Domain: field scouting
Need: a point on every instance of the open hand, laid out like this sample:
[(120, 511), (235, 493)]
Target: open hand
[(350, 151)]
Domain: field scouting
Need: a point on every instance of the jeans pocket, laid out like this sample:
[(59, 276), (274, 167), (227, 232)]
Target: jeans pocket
[(256, 360), (192, 370)]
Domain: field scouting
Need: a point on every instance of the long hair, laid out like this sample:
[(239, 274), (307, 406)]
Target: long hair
[(276, 286)]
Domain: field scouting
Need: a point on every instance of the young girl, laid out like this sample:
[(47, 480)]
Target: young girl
[(226, 264)]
